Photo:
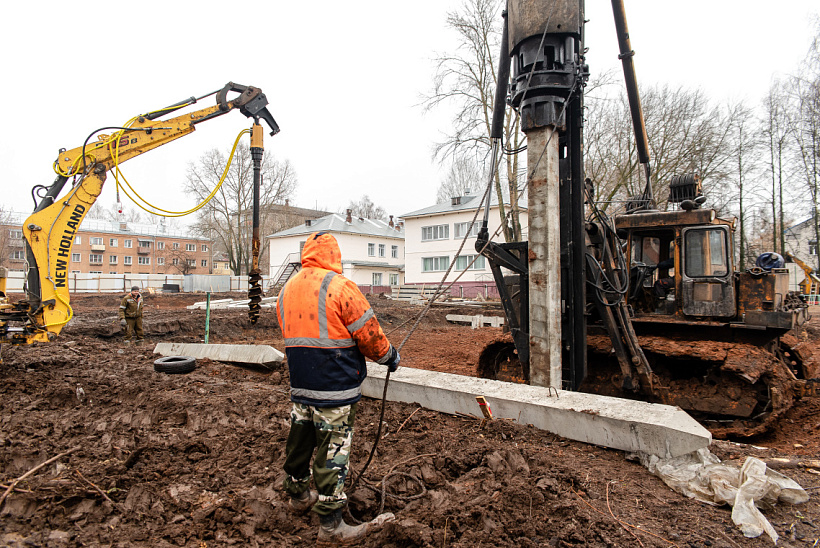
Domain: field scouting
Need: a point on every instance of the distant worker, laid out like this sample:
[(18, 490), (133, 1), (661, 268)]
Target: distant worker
[(131, 315), (329, 330)]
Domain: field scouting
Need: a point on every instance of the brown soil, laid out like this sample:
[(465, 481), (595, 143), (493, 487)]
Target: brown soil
[(195, 460)]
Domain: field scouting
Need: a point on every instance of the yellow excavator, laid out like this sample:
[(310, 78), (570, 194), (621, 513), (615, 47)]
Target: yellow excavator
[(50, 231), (811, 283)]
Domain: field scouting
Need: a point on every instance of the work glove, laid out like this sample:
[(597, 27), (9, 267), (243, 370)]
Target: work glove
[(123, 323), (393, 363)]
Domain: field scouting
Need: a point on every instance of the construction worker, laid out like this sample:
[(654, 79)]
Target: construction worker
[(131, 315), (329, 330)]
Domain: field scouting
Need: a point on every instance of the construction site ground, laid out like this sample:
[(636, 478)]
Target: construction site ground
[(195, 459)]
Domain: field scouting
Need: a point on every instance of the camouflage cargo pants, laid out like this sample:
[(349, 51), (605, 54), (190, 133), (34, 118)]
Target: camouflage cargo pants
[(330, 431)]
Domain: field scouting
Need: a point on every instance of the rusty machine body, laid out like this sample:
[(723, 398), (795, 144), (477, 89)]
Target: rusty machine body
[(651, 306)]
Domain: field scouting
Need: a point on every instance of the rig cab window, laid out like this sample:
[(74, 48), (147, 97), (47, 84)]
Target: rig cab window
[(706, 253)]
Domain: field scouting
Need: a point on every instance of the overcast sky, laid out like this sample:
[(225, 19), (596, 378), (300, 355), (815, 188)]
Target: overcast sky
[(344, 81)]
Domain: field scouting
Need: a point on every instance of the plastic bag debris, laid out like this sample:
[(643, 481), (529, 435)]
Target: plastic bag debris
[(702, 476)]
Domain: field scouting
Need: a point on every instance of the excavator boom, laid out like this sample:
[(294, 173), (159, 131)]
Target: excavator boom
[(50, 231)]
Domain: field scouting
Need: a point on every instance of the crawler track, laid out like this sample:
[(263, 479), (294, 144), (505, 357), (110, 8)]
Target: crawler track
[(736, 390)]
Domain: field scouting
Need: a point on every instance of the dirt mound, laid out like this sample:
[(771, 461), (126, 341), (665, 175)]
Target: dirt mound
[(195, 460)]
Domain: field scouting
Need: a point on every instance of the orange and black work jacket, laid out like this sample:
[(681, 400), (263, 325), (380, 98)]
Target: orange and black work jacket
[(329, 329)]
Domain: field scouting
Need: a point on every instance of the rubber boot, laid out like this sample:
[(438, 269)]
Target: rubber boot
[(333, 531), (303, 502)]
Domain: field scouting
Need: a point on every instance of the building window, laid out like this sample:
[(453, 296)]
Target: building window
[(190, 262), (96, 241), (812, 247), (190, 247), (160, 245), (95, 271), (464, 261), (174, 261), (371, 250), (19, 255), (75, 258), (460, 229), (160, 260), (436, 232), (112, 271), (394, 279), (112, 259), (78, 239), (204, 248), (394, 251), (176, 245), (377, 278), (95, 258), (113, 243), (126, 261), (144, 260), (144, 244), (204, 263), (435, 264), (382, 247), (16, 234), (127, 243)]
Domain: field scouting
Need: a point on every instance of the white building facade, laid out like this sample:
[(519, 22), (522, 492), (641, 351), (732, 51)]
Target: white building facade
[(372, 250), (434, 234)]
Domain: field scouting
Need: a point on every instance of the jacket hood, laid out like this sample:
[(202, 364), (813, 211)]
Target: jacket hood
[(322, 251)]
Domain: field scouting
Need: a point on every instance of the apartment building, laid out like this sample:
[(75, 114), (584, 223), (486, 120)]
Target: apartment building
[(102, 247), (435, 234), (372, 250)]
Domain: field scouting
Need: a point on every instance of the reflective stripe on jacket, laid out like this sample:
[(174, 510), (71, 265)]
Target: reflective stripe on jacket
[(131, 307), (328, 327)]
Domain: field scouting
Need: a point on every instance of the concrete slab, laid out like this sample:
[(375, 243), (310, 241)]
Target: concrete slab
[(234, 353), (627, 425), (476, 321)]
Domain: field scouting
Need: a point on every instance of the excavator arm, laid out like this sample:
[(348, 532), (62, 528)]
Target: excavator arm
[(50, 231)]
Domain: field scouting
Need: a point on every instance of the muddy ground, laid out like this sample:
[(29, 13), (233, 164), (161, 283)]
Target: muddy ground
[(195, 460)]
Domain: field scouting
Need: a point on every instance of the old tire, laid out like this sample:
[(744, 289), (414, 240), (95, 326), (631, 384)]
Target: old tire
[(175, 364)]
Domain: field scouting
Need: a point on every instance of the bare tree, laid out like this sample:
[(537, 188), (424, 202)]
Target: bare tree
[(366, 209), (745, 147), (776, 128), (227, 219), (464, 177), (178, 259), (112, 213), (686, 132), (467, 79), (805, 91)]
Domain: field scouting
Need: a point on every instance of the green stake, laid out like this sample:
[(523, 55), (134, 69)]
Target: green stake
[(207, 315)]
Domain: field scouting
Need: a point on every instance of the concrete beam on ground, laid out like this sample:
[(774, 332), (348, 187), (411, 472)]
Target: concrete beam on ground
[(627, 425), (254, 354)]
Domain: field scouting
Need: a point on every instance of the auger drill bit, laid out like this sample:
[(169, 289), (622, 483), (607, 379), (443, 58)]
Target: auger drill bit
[(255, 275)]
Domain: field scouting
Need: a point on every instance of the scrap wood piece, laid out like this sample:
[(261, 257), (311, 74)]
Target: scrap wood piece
[(485, 407), (32, 471)]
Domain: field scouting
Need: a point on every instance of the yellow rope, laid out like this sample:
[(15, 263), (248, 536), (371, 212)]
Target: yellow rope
[(118, 174), (115, 139)]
